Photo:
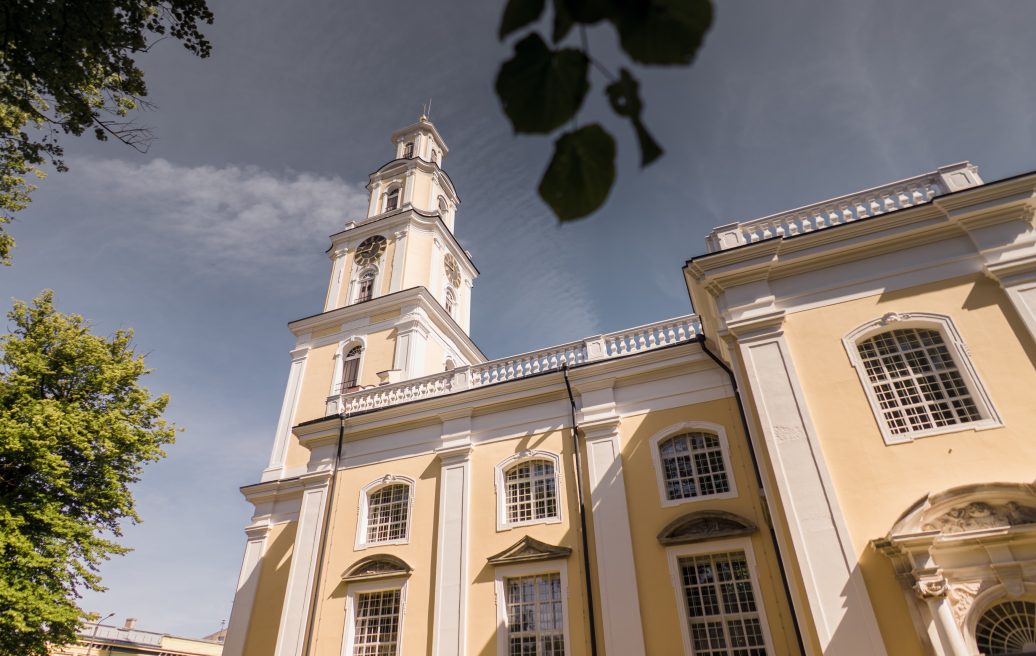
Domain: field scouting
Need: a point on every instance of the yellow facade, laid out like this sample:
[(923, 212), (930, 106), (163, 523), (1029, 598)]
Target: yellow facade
[(731, 482)]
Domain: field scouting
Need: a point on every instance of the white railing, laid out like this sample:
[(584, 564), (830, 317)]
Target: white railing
[(846, 209), (600, 347)]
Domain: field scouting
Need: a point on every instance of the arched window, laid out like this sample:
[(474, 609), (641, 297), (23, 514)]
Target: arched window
[(408, 150), (435, 155), (527, 489), (693, 465), (385, 510), (443, 207), (1007, 629), (392, 200), (351, 368), (365, 290), (451, 301), (917, 376)]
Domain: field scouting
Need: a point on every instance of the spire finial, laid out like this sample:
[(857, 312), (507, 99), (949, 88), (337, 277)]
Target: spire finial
[(426, 110)]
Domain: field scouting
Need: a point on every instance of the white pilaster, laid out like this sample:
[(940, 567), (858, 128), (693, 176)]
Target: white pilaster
[(299, 591), (620, 623), (398, 262), (247, 585), (287, 416), (451, 584), (840, 607), (933, 591), (374, 207), (408, 188), (337, 271)]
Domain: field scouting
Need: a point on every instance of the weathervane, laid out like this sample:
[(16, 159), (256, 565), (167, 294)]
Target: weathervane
[(426, 109)]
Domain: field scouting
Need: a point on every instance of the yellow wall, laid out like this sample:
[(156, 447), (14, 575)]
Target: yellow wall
[(876, 483), (269, 597)]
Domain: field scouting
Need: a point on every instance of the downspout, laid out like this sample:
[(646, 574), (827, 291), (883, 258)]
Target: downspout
[(759, 481), (324, 539), (582, 514)]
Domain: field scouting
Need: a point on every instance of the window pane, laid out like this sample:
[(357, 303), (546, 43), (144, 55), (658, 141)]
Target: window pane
[(377, 623), (721, 609), (692, 464), (387, 511), (531, 491), (535, 613)]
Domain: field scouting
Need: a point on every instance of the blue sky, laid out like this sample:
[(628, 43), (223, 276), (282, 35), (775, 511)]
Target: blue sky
[(214, 240)]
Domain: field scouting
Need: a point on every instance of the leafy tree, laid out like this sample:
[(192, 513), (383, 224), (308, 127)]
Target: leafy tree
[(542, 88), (76, 428), (67, 66)]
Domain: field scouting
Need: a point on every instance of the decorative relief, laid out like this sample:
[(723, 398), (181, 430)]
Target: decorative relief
[(788, 433), (893, 317), (377, 567), (705, 525), (528, 550), (961, 596), (978, 515), (930, 586)]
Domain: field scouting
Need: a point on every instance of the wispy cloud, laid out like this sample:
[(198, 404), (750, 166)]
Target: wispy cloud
[(232, 217)]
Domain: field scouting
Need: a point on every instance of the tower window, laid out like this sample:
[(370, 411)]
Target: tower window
[(351, 368), (392, 200), (366, 286), (435, 155), (408, 150), (451, 301)]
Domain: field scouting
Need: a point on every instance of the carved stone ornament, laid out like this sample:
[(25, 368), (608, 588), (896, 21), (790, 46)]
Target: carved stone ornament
[(930, 586), (528, 550), (978, 515), (961, 596), (705, 525), (893, 317), (381, 566)]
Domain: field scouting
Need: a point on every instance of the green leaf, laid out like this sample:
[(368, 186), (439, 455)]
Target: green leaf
[(563, 21), (541, 89), (667, 32), (518, 14), (624, 97), (580, 174)]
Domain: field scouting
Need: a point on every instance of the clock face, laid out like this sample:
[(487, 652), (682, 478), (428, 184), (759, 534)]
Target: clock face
[(370, 250), (452, 270)]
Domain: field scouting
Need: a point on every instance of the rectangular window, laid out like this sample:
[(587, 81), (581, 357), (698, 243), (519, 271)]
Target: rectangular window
[(723, 619), (377, 623), (387, 512), (535, 615)]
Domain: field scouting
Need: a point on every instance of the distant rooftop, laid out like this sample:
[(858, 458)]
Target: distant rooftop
[(865, 204)]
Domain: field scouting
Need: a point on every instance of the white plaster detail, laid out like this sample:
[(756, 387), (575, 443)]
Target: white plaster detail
[(449, 633)]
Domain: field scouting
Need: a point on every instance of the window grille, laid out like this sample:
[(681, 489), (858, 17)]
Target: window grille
[(409, 150), (1007, 629), (721, 607), (693, 465), (531, 491), (535, 615), (392, 200), (377, 623), (387, 512), (915, 381), (351, 368), (451, 300)]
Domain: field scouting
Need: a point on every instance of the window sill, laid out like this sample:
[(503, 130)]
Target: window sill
[(730, 494), (503, 527), (906, 438)]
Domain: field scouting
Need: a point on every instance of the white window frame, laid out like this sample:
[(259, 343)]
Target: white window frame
[(983, 602), (744, 544), (451, 308), (354, 590), (559, 567), (363, 510), (501, 488), (395, 187), (958, 351), (354, 284), (688, 427), (344, 347)]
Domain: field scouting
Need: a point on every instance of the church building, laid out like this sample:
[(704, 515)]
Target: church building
[(833, 455)]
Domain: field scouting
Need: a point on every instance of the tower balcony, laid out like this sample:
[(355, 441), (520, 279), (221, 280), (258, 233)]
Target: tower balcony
[(857, 206)]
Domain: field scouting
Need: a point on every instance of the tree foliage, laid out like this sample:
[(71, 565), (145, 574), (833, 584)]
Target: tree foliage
[(68, 66), (542, 89), (76, 428)]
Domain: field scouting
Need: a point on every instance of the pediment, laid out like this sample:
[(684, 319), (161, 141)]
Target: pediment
[(705, 525), (381, 566), (528, 550), (979, 507)]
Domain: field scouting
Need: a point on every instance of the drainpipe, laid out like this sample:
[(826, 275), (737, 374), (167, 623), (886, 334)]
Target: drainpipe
[(759, 481), (324, 539), (582, 514)]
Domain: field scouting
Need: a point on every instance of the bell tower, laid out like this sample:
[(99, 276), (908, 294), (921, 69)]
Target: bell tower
[(400, 281)]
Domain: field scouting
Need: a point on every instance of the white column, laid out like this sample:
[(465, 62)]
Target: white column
[(398, 262), (408, 188), (287, 416), (247, 585), (337, 271), (838, 599), (374, 207), (299, 591), (451, 584), (1018, 280), (620, 623), (411, 337), (933, 591)]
